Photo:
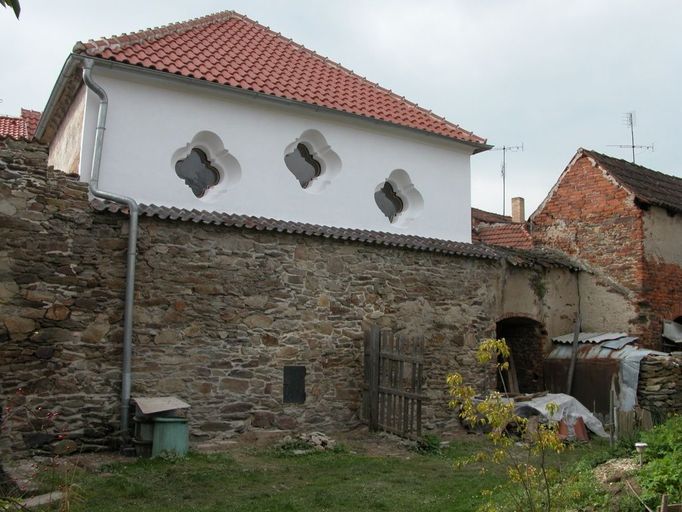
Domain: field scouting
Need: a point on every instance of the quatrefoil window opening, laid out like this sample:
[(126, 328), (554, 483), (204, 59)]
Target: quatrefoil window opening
[(388, 201), (197, 172), (303, 165)]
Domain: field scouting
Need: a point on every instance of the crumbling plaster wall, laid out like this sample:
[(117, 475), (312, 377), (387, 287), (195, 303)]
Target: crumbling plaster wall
[(604, 304), (65, 149), (548, 296)]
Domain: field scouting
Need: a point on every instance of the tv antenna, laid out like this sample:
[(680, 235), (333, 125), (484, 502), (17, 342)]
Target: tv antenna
[(503, 171), (631, 120)]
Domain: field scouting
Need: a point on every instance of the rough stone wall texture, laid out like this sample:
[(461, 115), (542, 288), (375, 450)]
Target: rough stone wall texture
[(219, 312), (61, 288), (589, 216), (660, 384)]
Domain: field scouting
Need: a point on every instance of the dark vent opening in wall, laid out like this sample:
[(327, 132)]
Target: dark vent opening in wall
[(294, 384)]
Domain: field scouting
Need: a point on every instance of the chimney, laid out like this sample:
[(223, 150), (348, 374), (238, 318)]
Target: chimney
[(518, 210)]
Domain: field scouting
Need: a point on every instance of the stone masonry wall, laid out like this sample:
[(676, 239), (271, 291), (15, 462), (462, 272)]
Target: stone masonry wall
[(219, 312), (590, 217), (61, 289), (660, 384)]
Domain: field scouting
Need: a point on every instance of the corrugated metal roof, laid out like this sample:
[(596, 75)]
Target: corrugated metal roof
[(591, 337), (600, 352), (619, 343)]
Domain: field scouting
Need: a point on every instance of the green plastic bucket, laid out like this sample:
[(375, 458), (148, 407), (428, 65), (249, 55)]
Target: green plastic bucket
[(171, 436)]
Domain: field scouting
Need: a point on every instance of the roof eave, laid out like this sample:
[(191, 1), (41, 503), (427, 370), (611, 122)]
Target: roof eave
[(66, 77), (476, 147)]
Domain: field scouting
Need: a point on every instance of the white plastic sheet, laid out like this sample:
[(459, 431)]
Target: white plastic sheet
[(568, 409)]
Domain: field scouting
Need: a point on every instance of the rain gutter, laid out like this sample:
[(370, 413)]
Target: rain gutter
[(132, 242), (65, 74), (475, 147)]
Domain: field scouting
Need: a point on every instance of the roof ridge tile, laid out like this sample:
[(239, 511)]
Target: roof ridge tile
[(153, 33)]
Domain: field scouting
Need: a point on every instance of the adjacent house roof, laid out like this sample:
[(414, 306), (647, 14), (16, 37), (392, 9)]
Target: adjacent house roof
[(31, 118), (495, 229), (508, 235), (648, 186), (232, 50), (23, 127), (478, 216)]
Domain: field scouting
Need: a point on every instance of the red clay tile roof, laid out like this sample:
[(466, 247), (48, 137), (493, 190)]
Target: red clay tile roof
[(507, 235), (232, 50), (650, 187), (23, 127), (478, 216), (14, 127), (31, 118)]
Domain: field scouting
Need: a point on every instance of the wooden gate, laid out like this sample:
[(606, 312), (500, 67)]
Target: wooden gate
[(392, 398)]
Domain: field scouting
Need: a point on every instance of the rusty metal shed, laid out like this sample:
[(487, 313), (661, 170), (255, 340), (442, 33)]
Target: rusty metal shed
[(601, 357)]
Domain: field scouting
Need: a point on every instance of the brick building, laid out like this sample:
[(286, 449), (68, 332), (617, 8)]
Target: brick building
[(625, 221)]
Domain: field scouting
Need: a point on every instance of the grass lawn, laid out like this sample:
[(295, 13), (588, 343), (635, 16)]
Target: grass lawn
[(262, 480)]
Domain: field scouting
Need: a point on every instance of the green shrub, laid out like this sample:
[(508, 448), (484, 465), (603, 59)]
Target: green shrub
[(663, 471), (662, 476), (664, 439)]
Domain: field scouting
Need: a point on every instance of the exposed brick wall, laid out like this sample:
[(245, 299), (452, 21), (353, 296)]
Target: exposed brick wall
[(662, 295), (589, 216)]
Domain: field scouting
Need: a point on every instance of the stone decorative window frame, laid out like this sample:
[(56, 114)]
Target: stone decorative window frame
[(321, 151), (411, 198), (220, 159)]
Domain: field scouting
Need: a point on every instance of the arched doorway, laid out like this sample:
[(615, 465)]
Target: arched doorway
[(526, 338)]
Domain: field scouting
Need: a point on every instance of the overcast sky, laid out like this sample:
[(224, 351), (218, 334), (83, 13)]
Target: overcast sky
[(553, 75)]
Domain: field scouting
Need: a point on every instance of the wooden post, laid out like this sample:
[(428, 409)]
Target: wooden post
[(419, 386), (374, 349), (664, 503), (574, 354)]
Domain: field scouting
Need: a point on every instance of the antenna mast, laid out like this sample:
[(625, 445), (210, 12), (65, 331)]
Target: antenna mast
[(630, 120), (503, 172)]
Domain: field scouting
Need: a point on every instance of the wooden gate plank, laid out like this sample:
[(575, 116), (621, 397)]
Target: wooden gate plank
[(393, 382), (374, 351)]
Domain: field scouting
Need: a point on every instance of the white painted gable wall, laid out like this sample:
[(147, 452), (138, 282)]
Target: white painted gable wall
[(151, 118)]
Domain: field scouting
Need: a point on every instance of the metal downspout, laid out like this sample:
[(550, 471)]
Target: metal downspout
[(132, 243)]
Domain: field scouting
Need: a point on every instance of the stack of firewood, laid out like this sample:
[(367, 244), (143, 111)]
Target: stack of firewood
[(660, 383)]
